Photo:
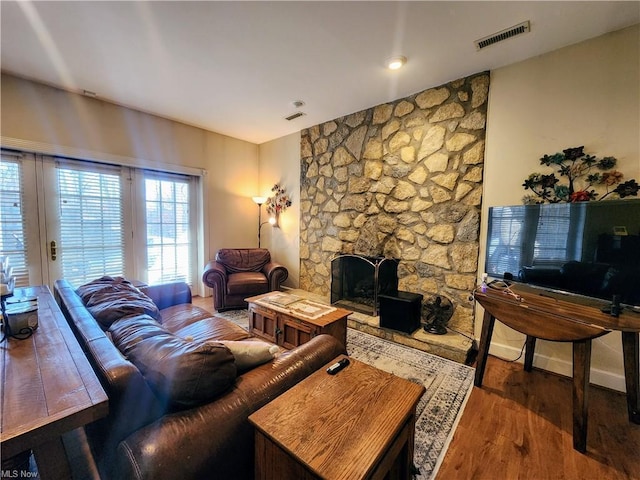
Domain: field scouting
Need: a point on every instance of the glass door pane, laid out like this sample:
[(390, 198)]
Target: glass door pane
[(85, 222), (19, 232), (168, 245)]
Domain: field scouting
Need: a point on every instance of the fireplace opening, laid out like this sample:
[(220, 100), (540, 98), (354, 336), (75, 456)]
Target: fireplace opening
[(357, 281)]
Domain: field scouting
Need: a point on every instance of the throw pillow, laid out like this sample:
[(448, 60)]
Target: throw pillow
[(182, 373), (109, 299), (250, 353)]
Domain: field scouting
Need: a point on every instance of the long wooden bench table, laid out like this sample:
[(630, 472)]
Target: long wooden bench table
[(49, 388)]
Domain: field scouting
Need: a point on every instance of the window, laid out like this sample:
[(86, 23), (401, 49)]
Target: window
[(13, 242), (80, 220), (167, 209)]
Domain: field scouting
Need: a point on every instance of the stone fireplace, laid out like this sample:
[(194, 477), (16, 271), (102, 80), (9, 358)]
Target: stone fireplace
[(356, 281), (402, 180)]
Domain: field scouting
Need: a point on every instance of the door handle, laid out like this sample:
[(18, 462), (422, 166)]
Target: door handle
[(54, 250)]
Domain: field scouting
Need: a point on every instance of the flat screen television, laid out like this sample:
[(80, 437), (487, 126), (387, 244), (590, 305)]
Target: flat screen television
[(590, 249)]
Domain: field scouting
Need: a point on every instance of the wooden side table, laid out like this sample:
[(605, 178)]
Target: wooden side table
[(560, 319), (357, 424), (285, 327), (49, 388)]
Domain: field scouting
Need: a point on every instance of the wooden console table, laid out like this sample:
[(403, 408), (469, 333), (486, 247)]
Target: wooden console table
[(547, 316), (49, 388), (356, 424)]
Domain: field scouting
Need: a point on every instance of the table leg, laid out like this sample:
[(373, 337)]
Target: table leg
[(631, 355), (581, 368), (51, 459), (483, 350), (529, 349)]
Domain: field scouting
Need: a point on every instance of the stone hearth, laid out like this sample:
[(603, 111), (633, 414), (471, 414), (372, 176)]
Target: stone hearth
[(452, 346)]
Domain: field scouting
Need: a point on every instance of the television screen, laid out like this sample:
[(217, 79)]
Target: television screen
[(584, 248)]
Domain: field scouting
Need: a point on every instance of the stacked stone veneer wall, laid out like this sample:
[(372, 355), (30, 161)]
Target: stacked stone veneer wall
[(403, 180)]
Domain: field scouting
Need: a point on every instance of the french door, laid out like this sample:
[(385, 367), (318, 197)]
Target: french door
[(81, 220), (85, 222)]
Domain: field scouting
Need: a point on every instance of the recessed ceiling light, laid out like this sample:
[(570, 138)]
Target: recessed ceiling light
[(396, 62)]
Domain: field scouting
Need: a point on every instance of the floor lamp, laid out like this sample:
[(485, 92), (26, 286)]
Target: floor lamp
[(259, 201)]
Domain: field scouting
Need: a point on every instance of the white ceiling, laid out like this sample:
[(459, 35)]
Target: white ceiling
[(236, 67)]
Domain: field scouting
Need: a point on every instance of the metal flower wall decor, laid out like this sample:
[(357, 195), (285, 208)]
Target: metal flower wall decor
[(583, 173), (279, 202)]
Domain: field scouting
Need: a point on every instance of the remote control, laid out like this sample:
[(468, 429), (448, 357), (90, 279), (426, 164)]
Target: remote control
[(336, 367)]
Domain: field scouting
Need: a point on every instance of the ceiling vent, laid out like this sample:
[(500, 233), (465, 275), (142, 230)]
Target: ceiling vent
[(510, 32), (293, 116)]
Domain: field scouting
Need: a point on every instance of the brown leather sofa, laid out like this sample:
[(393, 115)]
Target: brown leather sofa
[(238, 273), (146, 436)]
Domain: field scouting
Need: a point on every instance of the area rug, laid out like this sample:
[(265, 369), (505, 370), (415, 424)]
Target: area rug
[(448, 386), (239, 317)]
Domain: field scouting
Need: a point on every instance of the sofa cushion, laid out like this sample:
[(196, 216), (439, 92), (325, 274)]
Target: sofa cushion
[(213, 329), (248, 352), (183, 373), (109, 299), (179, 316), (243, 259)]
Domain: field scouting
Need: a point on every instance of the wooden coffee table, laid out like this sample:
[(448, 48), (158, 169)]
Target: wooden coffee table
[(289, 328), (356, 424)]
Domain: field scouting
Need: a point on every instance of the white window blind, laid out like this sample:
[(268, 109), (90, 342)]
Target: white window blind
[(168, 210), (553, 226), (13, 241), (506, 235), (91, 221), (528, 236)]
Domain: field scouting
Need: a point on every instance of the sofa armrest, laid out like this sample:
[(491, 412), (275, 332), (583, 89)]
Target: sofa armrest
[(276, 274), (168, 294), (217, 437)]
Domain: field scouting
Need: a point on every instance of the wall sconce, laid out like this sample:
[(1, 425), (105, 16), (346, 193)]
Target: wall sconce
[(278, 203), (259, 201), (274, 220)]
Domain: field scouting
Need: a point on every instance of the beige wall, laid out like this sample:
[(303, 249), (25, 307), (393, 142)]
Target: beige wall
[(280, 163), (585, 94), (48, 120)]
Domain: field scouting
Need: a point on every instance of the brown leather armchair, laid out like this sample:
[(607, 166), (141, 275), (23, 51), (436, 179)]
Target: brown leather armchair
[(238, 273)]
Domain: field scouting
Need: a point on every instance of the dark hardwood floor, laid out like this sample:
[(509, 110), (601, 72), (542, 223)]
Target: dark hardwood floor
[(519, 426)]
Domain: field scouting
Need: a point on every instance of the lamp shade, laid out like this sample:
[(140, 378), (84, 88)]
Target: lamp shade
[(259, 200)]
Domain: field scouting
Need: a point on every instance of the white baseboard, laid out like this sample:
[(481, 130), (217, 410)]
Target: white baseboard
[(603, 378)]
